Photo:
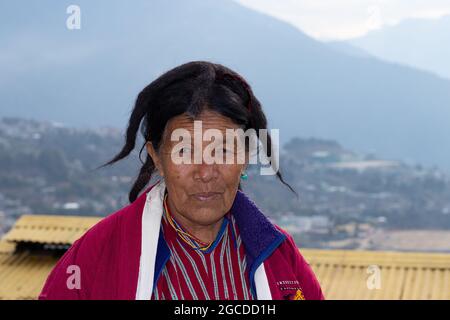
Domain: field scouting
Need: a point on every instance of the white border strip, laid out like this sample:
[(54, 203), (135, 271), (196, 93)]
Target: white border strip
[(262, 284), (151, 222)]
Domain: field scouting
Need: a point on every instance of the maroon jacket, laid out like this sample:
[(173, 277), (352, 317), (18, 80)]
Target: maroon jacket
[(122, 256)]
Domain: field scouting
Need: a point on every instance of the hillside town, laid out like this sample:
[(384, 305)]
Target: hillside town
[(344, 199)]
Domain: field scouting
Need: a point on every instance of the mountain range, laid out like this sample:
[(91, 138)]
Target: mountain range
[(91, 77), (419, 43)]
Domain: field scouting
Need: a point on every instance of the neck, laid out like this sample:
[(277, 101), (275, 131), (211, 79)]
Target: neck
[(205, 233)]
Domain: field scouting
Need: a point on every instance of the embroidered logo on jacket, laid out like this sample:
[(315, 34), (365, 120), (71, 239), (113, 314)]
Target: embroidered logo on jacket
[(291, 290)]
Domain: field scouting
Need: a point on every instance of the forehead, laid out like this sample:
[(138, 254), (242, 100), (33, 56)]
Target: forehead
[(209, 120)]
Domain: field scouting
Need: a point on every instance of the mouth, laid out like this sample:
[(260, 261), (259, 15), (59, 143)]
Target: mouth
[(207, 196)]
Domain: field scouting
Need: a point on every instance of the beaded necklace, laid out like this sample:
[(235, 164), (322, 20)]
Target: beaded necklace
[(190, 239)]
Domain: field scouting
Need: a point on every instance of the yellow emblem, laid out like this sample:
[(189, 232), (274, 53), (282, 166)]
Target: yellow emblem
[(299, 295)]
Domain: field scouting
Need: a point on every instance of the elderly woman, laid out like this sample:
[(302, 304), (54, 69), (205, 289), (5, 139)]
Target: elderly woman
[(193, 234)]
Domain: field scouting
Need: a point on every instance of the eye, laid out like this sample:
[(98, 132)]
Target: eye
[(185, 150)]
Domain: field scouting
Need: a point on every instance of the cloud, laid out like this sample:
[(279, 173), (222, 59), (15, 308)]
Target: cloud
[(345, 19)]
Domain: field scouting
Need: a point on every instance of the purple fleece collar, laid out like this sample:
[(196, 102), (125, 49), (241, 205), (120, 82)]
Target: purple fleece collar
[(257, 232)]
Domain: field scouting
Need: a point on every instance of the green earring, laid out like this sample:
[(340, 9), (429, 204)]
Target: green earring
[(244, 176)]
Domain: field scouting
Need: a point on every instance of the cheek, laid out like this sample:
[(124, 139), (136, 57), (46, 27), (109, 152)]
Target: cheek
[(178, 179), (177, 182), (231, 174), (172, 171), (176, 173)]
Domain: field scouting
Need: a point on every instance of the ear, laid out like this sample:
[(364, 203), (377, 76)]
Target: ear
[(155, 157)]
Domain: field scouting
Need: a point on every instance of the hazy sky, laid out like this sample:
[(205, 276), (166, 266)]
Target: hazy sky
[(344, 19)]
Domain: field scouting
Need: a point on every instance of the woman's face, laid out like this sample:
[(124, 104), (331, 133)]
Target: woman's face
[(202, 192)]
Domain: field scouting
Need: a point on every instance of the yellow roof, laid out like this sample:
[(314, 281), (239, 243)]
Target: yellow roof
[(22, 274), (343, 274), (49, 229)]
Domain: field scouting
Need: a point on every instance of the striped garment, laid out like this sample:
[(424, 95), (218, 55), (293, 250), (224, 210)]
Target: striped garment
[(219, 273)]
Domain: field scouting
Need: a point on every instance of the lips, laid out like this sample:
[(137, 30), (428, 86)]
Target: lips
[(206, 196)]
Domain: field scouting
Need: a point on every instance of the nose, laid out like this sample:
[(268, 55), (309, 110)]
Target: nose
[(205, 172)]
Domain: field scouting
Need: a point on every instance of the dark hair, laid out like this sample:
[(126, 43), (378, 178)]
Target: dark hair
[(189, 88)]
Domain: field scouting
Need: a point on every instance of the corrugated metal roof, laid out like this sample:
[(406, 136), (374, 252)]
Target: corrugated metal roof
[(49, 229), (343, 274), (22, 274)]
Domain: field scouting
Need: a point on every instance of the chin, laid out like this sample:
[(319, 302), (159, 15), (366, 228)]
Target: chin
[(208, 216)]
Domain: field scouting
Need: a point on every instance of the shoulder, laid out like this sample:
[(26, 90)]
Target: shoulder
[(289, 243), (89, 252), (302, 269), (112, 225), (103, 232)]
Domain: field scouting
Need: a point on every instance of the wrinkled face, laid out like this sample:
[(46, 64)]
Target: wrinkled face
[(200, 191)]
